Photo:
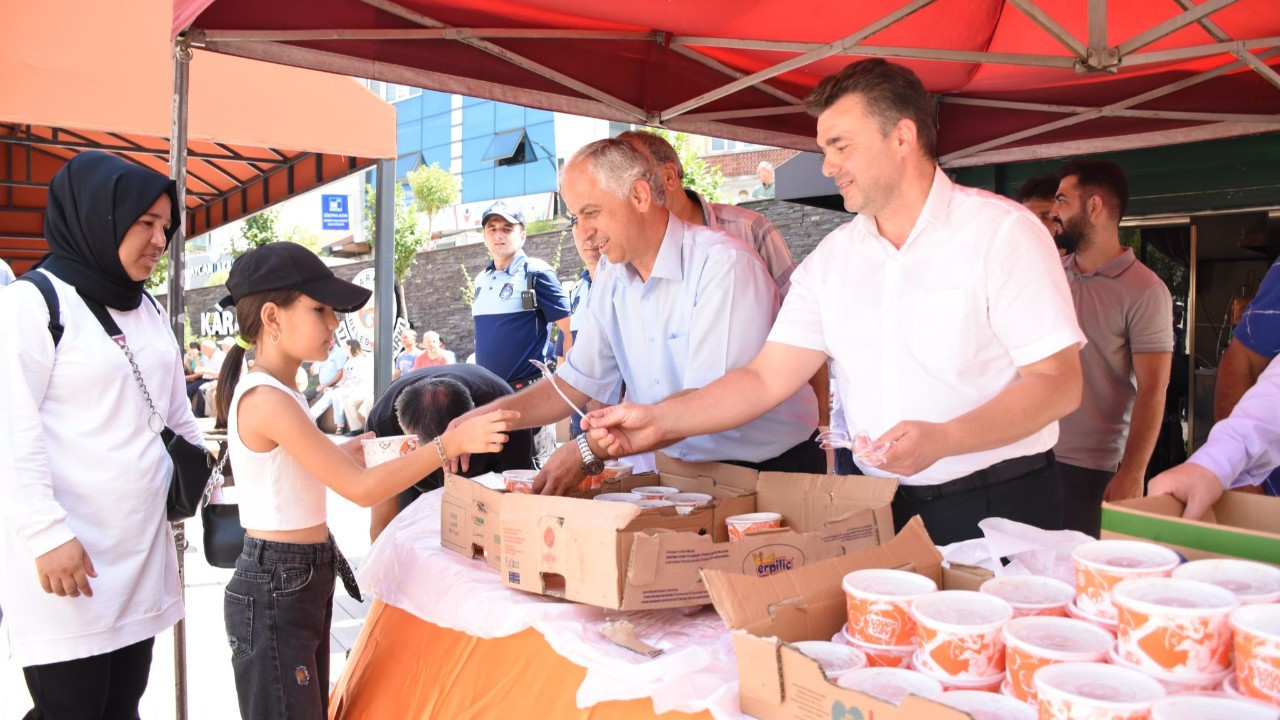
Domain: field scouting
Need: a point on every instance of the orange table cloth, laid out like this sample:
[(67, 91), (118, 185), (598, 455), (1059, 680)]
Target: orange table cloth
[(405, 668)]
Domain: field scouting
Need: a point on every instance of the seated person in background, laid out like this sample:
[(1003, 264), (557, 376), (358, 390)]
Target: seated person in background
[(433, 352), (422, 402), (208, 364), (408, 353), (330, 374), (1240, 452)]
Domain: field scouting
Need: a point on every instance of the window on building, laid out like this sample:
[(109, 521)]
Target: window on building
[(720, 145), (509, 147)]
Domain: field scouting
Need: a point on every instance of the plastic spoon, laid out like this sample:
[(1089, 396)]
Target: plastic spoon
[(551, 378)]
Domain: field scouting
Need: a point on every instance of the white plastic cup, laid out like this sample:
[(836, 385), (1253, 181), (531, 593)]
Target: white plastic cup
[(836, 659), (878, 605), (742, 525), (1252, 582), (386, 449), (1031, 594), (1174, 627), (519, 481), (1100, 564), (891, 684), (1257, 652), (1035, 641), (990, 683), (655, 492), (987, 705), (1175, 684), (619, 497), (686, 502), (648, 503), (1211, 706), (1097, 691)]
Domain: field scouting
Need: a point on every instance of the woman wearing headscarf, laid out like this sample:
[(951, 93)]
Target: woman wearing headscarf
[(88, 568)]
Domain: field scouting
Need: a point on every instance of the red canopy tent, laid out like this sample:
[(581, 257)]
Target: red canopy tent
[(1016, 79)]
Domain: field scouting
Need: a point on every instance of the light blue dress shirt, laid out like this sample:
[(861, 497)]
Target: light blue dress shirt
[(706, 309)]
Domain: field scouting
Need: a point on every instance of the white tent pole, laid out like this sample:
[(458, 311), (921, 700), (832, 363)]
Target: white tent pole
[(1209, 26), (1051, 26), (1152, 114), (907, 53), (384, 278), (1171, 26), (176, 307), (513, 58), (812, 56), (432, 33), (1259, 67), (1229, 46)]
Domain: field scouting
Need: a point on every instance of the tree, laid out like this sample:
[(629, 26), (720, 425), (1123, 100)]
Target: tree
[(434, 189), (407, 238), (700, 177), (258, 230)]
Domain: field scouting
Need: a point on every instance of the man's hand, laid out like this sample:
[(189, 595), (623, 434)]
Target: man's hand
[(916, 446), (65, 570), (562, 473), (625, 429), (1124, 485), (1190, 483)]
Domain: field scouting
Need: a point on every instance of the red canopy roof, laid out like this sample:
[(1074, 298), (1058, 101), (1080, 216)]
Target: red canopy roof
[(1016, 78)]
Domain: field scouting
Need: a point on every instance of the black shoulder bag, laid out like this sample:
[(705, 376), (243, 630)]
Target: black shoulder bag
[(192, 464)]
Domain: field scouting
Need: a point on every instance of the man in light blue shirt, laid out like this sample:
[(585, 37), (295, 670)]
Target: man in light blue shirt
[(676, 307)]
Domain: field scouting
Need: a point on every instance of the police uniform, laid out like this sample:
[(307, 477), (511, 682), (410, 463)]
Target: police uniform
[(508, 332)]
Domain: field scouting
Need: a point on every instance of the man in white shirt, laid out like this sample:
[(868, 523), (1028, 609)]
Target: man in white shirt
[(1241, 450), (944, 309), (677, 306)]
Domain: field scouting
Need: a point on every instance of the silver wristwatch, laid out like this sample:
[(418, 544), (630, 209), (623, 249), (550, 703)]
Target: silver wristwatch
[(591, 465)]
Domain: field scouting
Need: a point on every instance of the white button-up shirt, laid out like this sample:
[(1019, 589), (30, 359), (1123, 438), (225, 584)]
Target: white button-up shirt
[(938, 328), (1245, 446), (705, 310)]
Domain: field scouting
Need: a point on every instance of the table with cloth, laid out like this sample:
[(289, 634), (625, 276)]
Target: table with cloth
[(446, 639)]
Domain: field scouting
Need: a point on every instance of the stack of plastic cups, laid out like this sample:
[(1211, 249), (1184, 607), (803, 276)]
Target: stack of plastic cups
[(879, 614), (1176, 631), (1034, 642), (891, 684), (1031, 594), (959, 638), (1100, 564), (1252, 582), (836, 659), (1257, 649), (1072, 691), (987, 706), (1210, 706)]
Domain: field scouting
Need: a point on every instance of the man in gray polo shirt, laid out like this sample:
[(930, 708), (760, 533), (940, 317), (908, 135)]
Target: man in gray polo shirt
[(1126, 314)]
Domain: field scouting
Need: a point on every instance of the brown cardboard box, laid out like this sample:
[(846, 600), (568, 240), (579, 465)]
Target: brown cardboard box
[(1239, 525), (617, 555), (469, 520), (775, 681)]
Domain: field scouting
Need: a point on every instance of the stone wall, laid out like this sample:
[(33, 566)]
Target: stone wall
[(434, 287)]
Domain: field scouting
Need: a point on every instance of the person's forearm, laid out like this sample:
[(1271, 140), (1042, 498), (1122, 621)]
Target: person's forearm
[(1144, 430), (1023, 408), (538, 405), (1238, 370), (732, 401)]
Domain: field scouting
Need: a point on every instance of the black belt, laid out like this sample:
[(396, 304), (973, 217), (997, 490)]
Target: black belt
[(1002, 471), (524, 382)]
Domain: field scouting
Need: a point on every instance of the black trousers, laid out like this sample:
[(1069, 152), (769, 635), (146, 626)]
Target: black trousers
[(1082, 490), (1034, 498), (807, 457), (105, 687)]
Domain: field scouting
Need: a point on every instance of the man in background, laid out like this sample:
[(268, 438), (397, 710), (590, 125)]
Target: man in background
[(1037, 195), (764, 173)]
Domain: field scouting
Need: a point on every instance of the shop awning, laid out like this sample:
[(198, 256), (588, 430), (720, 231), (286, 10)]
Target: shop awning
[(1016, 79), (100, 76)]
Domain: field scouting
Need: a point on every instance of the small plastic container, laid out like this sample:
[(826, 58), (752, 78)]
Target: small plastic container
[(740, 525), (519, 481), (1175, 684), (686, 502), (386, 449), (1257, 648), (1068, 691), (656, 492), (619, 497), (1211, 706), (1036, 641), (878, 604), (1031, 594), (649, 503), (959, 634), (987, 705), (891, 684), (1252, 582), (615, 470), (1101, 564), (1174, 627), (836, 659)]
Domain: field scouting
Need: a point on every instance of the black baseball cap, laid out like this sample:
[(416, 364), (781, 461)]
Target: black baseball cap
[(289, 266), (500, 209)]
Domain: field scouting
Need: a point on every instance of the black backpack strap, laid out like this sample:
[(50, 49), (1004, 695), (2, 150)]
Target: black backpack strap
[(42, 283), (107, 322)]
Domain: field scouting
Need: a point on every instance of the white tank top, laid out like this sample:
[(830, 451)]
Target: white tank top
[(273, 490)]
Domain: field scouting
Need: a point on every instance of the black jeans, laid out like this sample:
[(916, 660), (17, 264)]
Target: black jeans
[(1034, 498), (106, 686), (1082, 490), (278, 609)]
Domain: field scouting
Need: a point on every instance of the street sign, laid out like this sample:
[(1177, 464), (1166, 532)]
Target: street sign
[(333, 212)]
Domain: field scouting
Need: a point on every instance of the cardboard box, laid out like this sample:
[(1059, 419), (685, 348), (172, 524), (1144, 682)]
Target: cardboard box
[(620, 556), (775, 681), (469, 522), (1239, 525)]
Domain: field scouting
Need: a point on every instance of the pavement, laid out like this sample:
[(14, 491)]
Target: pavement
[(210, 686)]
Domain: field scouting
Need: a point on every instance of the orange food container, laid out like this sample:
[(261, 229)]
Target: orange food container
[(1257, 646), (1101, 564), (1034, 642), (879, 605), (1175, 627), (959, 635)]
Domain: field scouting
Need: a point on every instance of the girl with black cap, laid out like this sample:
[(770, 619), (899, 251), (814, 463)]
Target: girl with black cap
[(279, 603), (88, 568)]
